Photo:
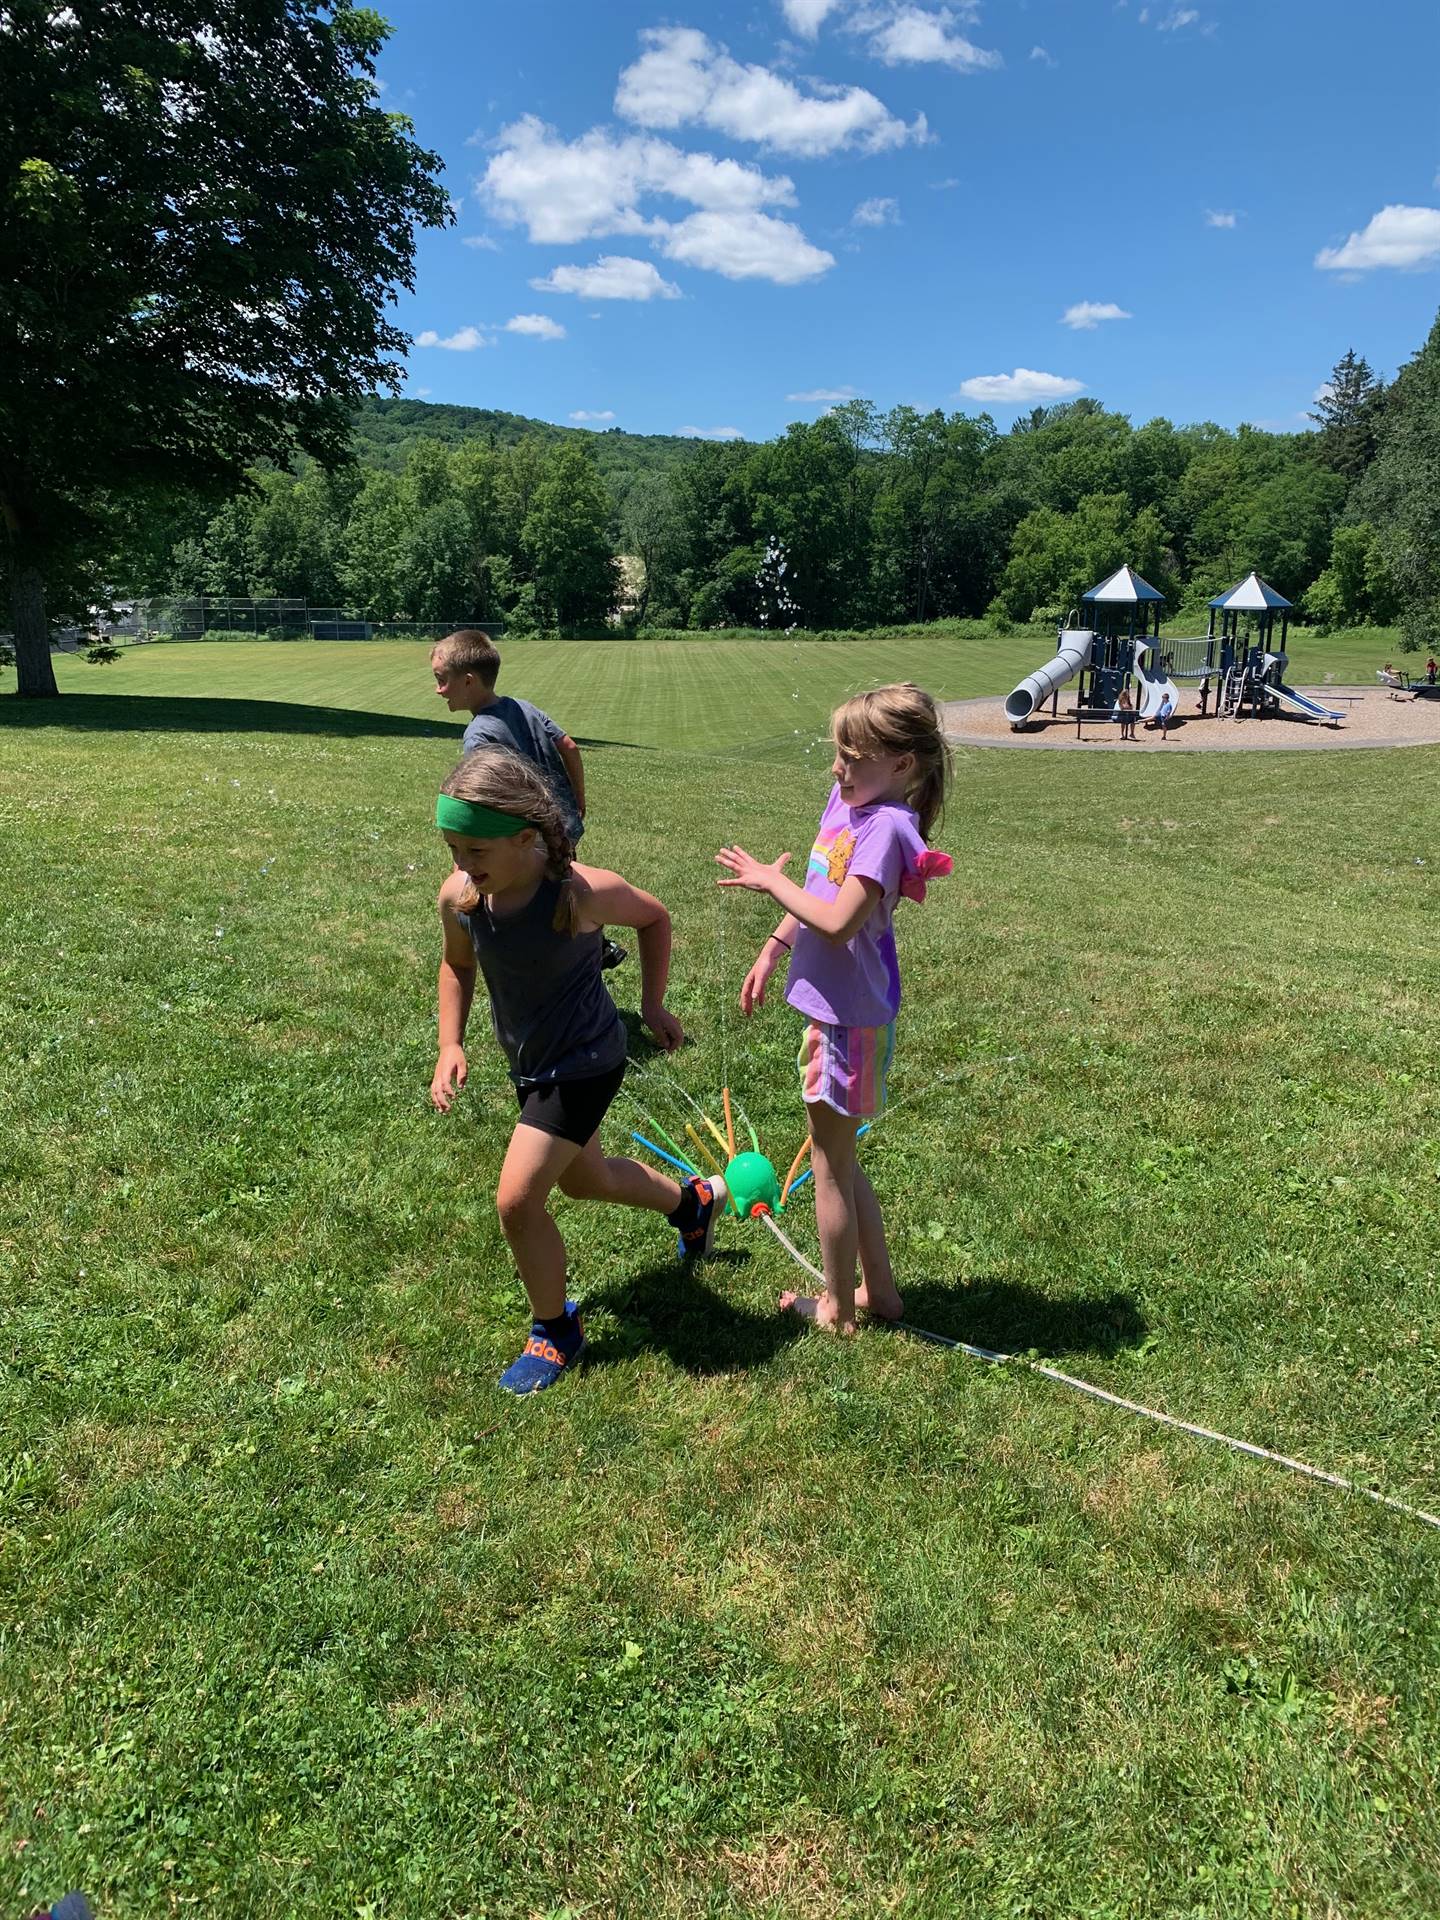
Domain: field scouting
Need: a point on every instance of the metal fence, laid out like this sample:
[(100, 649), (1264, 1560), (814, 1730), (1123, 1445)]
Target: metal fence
[(195, 619)]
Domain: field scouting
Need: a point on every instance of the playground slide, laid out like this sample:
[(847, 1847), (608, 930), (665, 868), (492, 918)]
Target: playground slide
[(1306, 704), (1152, 684), (1036, 689)]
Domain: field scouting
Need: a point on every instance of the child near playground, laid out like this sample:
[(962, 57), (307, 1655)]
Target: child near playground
[(466, 665), (1125, 707), (520, 911), (890, 768)]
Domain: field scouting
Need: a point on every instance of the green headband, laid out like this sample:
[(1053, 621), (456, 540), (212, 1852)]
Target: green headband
[(475, 821)]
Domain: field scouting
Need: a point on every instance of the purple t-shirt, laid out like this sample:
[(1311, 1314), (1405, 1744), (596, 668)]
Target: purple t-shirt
[(857, 985)]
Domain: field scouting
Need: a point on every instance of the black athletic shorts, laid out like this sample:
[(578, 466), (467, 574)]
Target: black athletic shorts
[(568, 1109)]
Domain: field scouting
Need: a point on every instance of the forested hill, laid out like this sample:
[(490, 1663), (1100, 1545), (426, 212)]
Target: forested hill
[(385, 430), (857, 519)]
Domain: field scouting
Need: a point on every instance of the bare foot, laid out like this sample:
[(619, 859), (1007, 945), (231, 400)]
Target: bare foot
[(881, 1303), (822, 1311)]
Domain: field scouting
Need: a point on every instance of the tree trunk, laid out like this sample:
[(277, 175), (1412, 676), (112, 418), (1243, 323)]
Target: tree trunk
[(34, 675)]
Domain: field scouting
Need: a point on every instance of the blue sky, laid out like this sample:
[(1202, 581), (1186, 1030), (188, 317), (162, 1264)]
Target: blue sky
[(715, 220)]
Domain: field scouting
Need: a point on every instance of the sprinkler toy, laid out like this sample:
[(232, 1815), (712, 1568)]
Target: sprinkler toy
[(751, 1183), (753, 1189)]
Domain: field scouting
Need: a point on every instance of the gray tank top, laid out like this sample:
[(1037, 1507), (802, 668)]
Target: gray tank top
[(553, 1017)]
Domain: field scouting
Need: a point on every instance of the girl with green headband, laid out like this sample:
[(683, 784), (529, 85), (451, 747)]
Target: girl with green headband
[(521, 913)]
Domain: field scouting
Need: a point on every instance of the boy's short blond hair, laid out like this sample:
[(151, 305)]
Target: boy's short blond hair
[(468, 651)]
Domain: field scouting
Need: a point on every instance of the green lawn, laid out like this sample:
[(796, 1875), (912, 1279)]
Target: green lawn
[(298, 1615)]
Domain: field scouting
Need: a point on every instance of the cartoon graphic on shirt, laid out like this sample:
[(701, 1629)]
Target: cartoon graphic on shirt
[(842, 851)]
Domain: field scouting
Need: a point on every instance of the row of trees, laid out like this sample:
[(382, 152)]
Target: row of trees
[(881, 517), (523, 531)]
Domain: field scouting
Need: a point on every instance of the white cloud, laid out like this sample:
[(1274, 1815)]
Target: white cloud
[(465, 341), (879, 212), (683, 79), (567, 190), (539, 325), (917, 36), (1177, 18), (823, 396), (944, 186), (1044, 56), (422, 393), (1214, 219), (806, 17), (481, 241), (1396, 237), (584, 415), (1086, 315), (711, 433), (746, 246), (1022, 388), (612, 277)]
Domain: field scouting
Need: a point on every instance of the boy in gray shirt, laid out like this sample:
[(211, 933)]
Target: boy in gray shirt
[(466, 666)]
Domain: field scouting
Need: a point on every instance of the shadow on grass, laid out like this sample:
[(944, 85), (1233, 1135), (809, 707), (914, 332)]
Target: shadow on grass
[(1014, 1319), (164, 713), (672, 1309)]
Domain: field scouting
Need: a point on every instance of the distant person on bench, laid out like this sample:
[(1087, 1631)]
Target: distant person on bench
[(1431, 670), (1125, 707)]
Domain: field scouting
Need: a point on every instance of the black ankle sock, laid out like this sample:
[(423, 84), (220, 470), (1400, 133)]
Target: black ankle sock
[(687, 1215), (563, 1324)]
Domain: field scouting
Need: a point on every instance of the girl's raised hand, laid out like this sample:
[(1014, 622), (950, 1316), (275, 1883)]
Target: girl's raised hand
[(746, 871)]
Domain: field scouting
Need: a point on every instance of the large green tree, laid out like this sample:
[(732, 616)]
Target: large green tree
[(566, 538), (204, 213)]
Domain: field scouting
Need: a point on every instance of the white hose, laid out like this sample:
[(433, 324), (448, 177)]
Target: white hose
[(1129, 1406)]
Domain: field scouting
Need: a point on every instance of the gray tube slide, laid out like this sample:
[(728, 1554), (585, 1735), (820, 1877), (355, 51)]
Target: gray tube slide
[(1074, 653)]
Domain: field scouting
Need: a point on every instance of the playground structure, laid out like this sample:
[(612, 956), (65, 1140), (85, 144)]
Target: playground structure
[(1121, 646)]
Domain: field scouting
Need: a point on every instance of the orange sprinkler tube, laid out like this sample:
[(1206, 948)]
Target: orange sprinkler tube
[(729, 1122), (795, 1167)]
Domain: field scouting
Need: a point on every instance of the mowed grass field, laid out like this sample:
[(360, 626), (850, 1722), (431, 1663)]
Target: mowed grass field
[(298, 1614)]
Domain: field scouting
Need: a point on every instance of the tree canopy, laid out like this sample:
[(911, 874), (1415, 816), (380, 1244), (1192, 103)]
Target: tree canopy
[(204, 213)]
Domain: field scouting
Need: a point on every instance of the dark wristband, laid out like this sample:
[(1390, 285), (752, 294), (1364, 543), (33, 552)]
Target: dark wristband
[(779, 942)]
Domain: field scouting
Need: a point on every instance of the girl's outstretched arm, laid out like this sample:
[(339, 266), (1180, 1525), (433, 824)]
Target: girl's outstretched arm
[(608, 900), (838, 920), (455, 991)]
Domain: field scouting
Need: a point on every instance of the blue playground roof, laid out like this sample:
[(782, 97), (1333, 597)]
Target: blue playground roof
[(1251, 595), (1124, 588)]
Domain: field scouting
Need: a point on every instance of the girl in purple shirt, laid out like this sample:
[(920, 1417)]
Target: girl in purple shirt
[(891, 763)]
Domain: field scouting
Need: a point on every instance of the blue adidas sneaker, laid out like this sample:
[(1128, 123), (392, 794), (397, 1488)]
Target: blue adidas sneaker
[(696, 1240), (542, 1360)]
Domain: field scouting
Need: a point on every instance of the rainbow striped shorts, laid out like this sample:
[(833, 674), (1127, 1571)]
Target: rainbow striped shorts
[(846, 1067)]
